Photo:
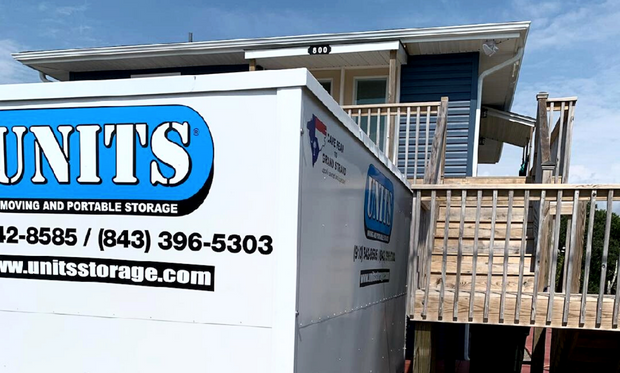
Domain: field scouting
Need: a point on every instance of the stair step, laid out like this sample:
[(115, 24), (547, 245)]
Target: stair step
[(485, 214), (484, 230), (512, 282), (482, 265), (485, 180), (483, 245)]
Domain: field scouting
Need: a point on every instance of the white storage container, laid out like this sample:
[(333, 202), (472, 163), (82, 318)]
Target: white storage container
[(224, 223)]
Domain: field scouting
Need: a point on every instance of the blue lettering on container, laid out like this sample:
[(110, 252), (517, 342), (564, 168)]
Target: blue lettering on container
[(378, 206)]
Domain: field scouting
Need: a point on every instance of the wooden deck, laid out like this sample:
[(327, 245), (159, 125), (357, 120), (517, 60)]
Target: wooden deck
[(509, 316), (501, 243)]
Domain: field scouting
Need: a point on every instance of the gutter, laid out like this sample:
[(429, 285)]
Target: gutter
[(44, 77), (484, 74)]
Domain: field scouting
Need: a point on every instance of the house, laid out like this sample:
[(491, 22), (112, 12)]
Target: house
[(437, 101), (476, 67)]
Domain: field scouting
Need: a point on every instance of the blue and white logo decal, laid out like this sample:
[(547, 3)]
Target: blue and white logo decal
[(378, 206), (131, 160)]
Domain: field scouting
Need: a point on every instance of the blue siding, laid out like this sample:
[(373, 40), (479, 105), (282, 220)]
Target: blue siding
[(428, 78)]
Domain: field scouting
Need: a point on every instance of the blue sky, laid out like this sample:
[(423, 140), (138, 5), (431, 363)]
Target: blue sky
[(571, 51)]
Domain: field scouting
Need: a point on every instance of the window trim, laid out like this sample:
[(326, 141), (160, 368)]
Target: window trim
[(331, 84), (356, 79)]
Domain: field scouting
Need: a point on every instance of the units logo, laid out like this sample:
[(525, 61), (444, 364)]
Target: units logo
[(378, 206), (135, 160), (317, 132)]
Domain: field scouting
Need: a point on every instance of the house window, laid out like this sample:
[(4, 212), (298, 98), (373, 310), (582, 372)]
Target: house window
[(370, 91), (326, 84)]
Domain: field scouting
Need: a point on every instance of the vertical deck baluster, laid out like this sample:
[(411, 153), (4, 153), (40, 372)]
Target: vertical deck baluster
[(415, 227), (359, 118), (550, 124), (539, 238), (568, 141), (554, 255), (558, 153), (417, 143), (444, 260), (487, 294), (407, 143), (426, 144), (368, 126), (430, 241), (378, 129), (396, 136), (474, 266), (387, 137), (586, 271), (571, 259), (459, 258), (522, 248), (614, 317), (502, 300), (599, 303)]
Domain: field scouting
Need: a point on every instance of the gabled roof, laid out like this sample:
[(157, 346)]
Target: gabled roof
[(433, 40)]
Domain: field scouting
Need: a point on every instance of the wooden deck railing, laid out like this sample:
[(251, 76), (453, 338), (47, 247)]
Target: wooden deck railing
[(562, 134), (502, 254), (552, 147), (409, 133)]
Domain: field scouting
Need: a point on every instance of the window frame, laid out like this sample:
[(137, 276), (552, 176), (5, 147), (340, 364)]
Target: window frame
[(331, 84), (356, 80)]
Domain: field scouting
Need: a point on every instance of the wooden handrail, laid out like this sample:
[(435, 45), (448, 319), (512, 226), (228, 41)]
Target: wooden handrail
[(517, 282), (432, 104)]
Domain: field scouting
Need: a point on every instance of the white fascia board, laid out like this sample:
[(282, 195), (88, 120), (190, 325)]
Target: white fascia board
[(443, 38), (238, 45), (155, 86), (336, 49)]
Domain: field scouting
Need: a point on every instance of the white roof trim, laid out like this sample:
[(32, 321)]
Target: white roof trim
[(239, 45), (336, 49)]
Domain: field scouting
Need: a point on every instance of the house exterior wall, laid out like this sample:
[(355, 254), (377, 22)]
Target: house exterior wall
[(185, 70), (334, 75), (350, 75), (428, 78)]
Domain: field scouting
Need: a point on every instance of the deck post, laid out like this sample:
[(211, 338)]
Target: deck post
[(391, 99), (252, 64), (538, 350), (434, 174), (424, 349)]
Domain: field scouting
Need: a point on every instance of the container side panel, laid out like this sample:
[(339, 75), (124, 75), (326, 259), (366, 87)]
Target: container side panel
[(57, 343), (355, 217), (176, 243)]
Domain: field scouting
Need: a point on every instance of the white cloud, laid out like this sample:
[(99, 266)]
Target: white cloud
[(12, 71), (571, 52), (582, 22), (70, 10)]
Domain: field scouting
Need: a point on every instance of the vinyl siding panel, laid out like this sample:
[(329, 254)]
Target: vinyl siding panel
[(428, 78)]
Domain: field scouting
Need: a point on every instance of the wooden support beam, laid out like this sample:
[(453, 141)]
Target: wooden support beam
[(391, 99), (392, 83), (424, 350), (252, 64), (538, 350)]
